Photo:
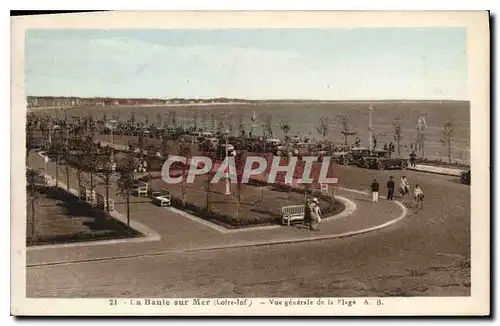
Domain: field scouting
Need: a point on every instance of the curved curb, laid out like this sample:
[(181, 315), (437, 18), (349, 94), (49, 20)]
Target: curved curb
[(308, 239), (239, 245), (349, 209)]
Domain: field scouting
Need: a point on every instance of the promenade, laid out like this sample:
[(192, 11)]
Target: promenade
[(436, 169), (176, 231), (425, 253)]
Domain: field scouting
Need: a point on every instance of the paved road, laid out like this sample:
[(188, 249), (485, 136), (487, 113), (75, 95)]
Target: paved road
[(428, 254)]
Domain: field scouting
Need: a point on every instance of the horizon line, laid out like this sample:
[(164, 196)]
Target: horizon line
[(250, 100)]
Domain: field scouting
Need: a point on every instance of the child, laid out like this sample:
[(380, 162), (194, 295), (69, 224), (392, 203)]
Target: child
[(419, 197)]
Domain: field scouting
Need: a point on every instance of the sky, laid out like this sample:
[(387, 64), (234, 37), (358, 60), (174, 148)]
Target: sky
[(322, 64)]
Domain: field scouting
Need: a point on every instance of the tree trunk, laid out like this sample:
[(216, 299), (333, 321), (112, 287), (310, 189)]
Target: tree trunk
[(128, 209), (449, 150), (57, 174), (183, 189), (208, 188), (422, 145), (79, 178), (33, 219), (238, 206), (67, 178), (107, 193)]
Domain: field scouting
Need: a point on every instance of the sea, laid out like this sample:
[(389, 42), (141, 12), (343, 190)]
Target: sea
[(303, 119)]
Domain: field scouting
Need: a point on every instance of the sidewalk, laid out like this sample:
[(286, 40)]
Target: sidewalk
[(180, 234), (436, 170)]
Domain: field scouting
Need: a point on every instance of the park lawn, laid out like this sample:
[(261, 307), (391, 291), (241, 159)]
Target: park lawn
[(259, 205), (61, 218)]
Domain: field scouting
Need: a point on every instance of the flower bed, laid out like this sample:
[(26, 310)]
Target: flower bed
[(332, 208)]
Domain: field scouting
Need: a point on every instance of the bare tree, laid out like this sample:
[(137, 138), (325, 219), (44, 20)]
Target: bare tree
[(33, 179), (239, 162), (31, 128), (230, 123), (164, 147), (241, 126), (343, 122), (285, 127), (323, 127), (203, 120), (126, 182), (55, 152), (92, 127), (213, 121), (196, 116), (106, 172), (142, 142), (268, 126), (45, 131), (159, 119), (447, 137), (132, 119), (184, 151), (396, 123), (90, 161)]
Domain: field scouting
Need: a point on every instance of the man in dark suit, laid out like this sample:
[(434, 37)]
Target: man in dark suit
[(390, 188), (375, 188)]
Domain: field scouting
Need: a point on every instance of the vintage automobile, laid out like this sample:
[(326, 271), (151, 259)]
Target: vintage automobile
[(381, 159), (339, 155), (221, 150), (354, 155), (465, 177)]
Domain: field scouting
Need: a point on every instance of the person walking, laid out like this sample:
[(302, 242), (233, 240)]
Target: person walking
[(405, 186), (413, 157), (390, 188), (307, 212), (375, 188), (315, 215)]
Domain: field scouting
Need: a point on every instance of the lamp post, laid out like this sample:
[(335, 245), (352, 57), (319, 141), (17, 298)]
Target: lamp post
[(421, 126), (228, 185), (111, 126), (370, 109)]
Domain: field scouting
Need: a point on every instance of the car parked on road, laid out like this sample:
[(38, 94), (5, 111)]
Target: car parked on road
[(354, 155), (381, 159)]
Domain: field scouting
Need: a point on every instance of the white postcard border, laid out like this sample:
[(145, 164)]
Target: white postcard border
[(477, 27)]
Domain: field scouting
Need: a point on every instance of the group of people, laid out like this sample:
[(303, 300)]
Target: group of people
[(404, 190), (313, 214)]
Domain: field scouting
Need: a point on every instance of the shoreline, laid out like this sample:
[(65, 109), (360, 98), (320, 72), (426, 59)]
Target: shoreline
[(258, 102), (131, 106)]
